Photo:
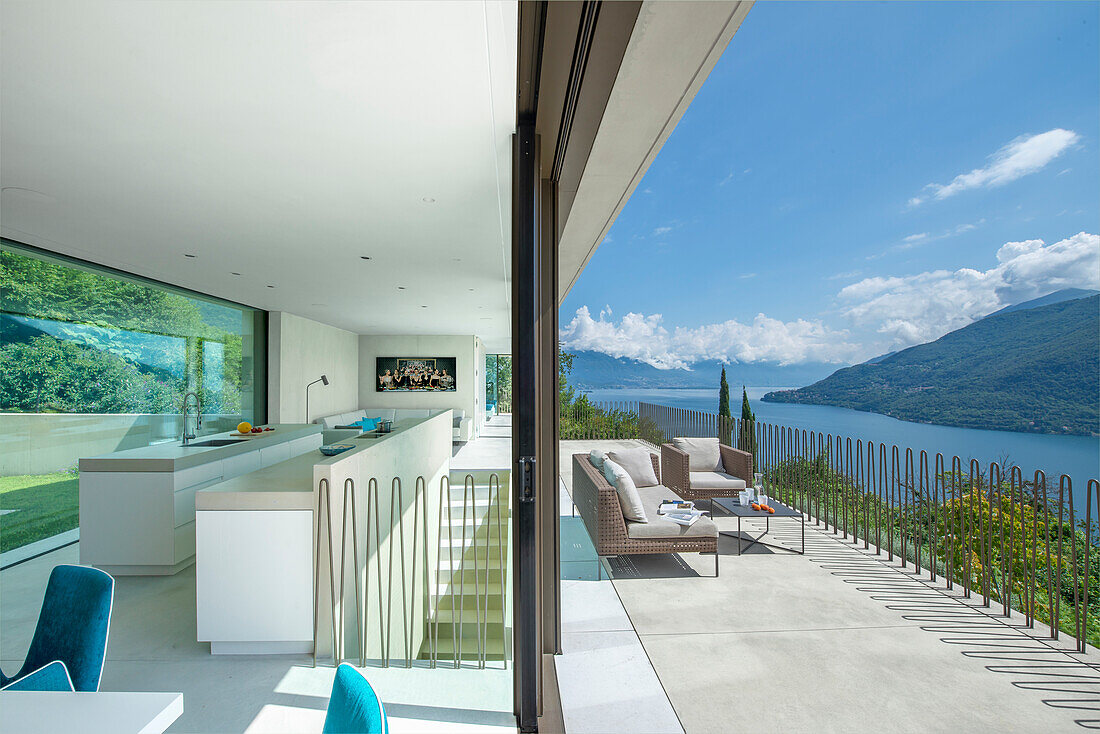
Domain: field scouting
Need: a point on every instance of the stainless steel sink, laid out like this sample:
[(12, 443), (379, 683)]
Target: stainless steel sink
[(215, 442)]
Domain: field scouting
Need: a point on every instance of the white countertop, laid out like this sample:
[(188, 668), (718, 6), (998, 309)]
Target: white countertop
[(287, 485), (29, 712), (172, 456)]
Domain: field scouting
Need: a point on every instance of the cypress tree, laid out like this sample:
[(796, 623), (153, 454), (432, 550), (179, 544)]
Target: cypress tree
[(724, 397), (746, 438), (725, 418)]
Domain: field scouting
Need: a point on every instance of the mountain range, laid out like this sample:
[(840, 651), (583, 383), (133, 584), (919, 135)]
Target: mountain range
[(595, 370), (1034, 366)]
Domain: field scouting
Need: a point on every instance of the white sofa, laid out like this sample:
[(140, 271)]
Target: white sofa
[(462, 430)]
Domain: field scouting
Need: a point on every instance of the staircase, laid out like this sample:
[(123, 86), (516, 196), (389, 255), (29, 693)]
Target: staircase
[(469, 602)]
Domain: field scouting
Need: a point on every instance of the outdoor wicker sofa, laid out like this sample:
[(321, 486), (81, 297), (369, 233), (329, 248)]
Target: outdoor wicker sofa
[(706, 483), (598, 504)]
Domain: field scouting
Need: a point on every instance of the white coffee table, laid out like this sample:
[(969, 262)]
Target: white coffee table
[(49, 712)]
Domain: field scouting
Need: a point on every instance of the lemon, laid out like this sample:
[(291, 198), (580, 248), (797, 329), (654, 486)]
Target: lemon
[(244, 427)]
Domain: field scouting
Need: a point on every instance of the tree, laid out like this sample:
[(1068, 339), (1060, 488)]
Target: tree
[(724, 397), (746, 438), (725, 418), (74, 340)]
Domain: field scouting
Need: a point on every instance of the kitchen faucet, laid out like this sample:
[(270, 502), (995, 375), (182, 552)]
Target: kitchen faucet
[(198, 416)]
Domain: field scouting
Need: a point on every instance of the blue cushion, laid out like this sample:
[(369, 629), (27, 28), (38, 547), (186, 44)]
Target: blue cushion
[(72, 625), (52, 677), (367, 424), (354, 707)]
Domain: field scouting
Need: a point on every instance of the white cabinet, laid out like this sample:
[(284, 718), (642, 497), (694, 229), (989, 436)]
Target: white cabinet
[(300, 446), (254, 586), (235, 466), (143, 522), (274, 454)]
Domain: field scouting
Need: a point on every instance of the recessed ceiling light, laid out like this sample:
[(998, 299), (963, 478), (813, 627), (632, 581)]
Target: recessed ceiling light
[(364, 257), (428, 200), (235, 274), (189, 255)]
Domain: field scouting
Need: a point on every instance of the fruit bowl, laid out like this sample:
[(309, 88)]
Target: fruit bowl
[(333, 449)]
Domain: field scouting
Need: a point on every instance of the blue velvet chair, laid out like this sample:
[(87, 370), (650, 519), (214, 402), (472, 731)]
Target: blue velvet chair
[(72, 628), (52, 677), (354, 707)]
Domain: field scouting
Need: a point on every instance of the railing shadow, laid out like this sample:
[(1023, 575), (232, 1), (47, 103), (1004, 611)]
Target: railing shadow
[(1006, 645)]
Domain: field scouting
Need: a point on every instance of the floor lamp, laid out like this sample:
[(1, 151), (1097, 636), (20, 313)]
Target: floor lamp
[(323, 379)]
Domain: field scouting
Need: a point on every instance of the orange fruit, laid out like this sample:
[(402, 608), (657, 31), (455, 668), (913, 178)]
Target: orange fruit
[(755, 506), (771, 510)]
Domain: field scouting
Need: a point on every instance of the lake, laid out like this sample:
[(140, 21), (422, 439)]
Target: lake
[(1077, 456)]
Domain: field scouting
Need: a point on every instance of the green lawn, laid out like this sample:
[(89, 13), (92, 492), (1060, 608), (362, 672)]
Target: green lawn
[(45, 504)]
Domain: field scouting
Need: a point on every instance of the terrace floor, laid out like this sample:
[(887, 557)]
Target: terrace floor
[(839, 640)]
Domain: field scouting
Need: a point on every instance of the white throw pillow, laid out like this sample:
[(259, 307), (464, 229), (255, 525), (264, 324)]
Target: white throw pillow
[(638, 465), (703, 453), (597, 458), (629, 500)]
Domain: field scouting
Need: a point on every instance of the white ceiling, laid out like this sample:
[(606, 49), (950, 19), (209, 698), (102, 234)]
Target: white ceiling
[(279, 140)]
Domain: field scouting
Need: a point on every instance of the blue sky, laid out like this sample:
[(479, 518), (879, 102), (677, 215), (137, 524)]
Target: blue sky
[(854, 178)]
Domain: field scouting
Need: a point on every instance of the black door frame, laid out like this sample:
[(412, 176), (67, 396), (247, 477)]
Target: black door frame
[(567, 62)]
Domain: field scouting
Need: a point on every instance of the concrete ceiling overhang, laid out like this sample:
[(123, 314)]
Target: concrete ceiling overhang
[(283, 141), (629, 105)]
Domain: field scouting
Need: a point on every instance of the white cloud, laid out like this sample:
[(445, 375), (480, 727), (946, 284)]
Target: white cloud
[(924, 238), (661, 230), (893, 312), (746, 276), (918, 308), (1026, 154), (845, 275), (644, 338)]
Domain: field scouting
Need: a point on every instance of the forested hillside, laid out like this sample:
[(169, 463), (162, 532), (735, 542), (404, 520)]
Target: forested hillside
[(1036, 369)]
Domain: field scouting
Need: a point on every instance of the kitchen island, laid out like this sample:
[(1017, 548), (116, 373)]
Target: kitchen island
[(257, 550), (137, 507)]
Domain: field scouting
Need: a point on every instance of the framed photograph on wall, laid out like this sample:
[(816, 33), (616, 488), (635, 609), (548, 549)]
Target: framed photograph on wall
[(415, 374)]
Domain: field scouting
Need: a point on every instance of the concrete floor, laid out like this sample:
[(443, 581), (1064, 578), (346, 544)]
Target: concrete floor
[(491, 450), (605, 679), (152, 648)]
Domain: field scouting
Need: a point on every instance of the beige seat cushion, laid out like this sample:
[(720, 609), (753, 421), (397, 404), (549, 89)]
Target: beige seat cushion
[(703, 453), (638, 465), (716, 480), (658, 526)]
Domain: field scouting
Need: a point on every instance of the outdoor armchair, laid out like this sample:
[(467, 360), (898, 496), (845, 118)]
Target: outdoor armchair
[(703, 468)]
